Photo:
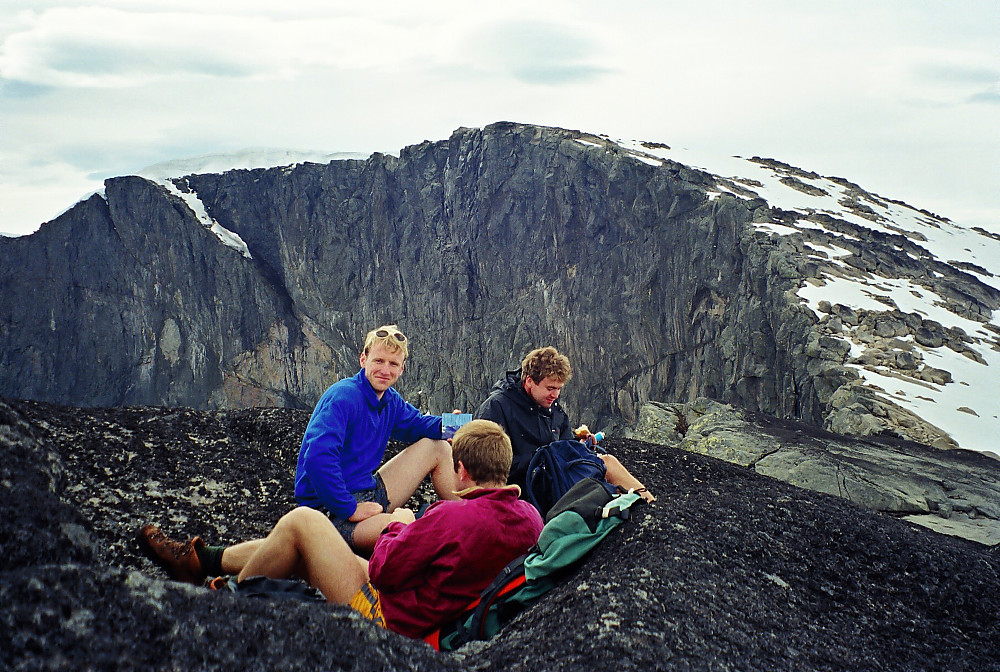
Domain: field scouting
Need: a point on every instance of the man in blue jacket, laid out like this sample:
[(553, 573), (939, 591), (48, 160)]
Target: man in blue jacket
[(338, 469)]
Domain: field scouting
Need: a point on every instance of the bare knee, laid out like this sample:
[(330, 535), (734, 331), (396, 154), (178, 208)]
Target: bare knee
[(299, 522), (439, 449), (426, 457), (435, 455), (444, 455), (610, 460)]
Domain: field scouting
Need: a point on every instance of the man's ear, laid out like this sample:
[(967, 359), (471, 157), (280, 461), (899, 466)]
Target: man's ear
[(362, 358), (462, 472)]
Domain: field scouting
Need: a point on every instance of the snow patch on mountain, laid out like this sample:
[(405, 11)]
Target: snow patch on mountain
[(228, 238), (167, 172), (959, 398)]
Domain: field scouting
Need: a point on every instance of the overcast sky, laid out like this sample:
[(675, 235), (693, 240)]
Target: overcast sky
[(900, 96)]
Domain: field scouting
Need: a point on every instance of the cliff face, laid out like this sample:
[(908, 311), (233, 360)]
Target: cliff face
[(130, 299), (501, 240), (730, 570), (652, 278), (481, 247)]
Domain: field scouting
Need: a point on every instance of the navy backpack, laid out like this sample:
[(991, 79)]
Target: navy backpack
[(557, 467)]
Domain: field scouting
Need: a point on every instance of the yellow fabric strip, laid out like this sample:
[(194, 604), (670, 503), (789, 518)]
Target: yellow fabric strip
[(366, 602)]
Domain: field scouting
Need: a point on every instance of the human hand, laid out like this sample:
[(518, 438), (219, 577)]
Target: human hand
[(365, 510)]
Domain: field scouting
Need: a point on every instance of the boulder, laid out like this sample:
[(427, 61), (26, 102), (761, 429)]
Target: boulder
[(952, 491)]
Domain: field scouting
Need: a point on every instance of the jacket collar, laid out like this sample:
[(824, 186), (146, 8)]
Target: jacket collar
[(479, 491), (368, 392)]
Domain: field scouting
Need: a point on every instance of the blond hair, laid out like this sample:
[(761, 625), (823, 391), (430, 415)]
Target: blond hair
[(393, 340)]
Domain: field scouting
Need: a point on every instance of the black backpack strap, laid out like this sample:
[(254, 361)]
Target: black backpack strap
[(468, 625), (509, 579), (613, 512)]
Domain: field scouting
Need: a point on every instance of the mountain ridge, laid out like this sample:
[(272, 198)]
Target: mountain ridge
[(663, 280)]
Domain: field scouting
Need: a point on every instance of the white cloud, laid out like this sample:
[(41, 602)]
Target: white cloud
[(537, 52), (894, 95), (127, 44), (32, 195), (103, 47)]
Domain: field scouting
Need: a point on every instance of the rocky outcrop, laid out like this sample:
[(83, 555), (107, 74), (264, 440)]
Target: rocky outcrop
[(655, 279), (130, 299), (956, 492), (729, 570)]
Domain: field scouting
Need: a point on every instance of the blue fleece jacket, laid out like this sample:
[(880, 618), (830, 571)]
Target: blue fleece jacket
[(346, 438)]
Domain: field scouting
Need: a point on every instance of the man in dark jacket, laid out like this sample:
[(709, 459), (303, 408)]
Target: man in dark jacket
[(525, 402)]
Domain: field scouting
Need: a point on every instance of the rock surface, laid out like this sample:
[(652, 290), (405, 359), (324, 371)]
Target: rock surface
[(653, 277), (730, 570), (952, 491)]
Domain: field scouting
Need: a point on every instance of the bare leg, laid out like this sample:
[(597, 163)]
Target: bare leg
[(305, 543), (403, 473), (235, 558), (368, 530), (619, 475)]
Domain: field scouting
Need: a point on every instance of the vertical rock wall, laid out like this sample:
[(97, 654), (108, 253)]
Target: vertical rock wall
[(480, 247)]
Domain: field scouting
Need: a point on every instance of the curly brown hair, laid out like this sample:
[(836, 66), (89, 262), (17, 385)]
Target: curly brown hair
[(543, 363)]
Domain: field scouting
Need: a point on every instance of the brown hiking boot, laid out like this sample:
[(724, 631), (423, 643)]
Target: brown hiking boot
[(179, 558)]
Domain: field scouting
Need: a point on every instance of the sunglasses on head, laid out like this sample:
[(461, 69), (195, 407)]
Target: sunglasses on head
[(385, 333)]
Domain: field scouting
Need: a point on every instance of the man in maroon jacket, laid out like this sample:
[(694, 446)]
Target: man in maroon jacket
[(423, 572)]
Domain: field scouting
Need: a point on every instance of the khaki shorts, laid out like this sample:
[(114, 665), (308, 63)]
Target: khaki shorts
[(366, 602)]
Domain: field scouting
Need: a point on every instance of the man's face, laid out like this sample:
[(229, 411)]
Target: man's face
[(545, 392), (382, 367)]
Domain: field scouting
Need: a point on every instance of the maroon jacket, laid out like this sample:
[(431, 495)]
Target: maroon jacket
[(427, 572)]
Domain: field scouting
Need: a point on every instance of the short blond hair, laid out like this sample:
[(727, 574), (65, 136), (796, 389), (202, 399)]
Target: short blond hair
[(484, 448), (542, 363), (394, 340)]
